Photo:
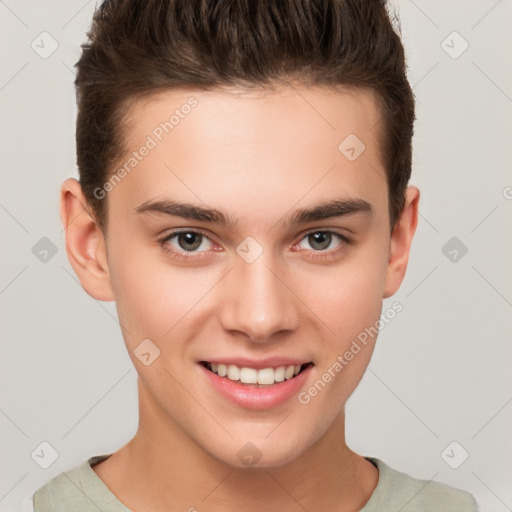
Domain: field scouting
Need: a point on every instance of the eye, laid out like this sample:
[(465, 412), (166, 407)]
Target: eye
[(179, 243), (320, 240), (196, 244)]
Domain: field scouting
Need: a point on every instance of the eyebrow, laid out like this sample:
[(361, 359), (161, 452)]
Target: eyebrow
[(326, 210)]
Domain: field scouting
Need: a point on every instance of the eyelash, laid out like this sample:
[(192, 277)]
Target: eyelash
[(179, 255)]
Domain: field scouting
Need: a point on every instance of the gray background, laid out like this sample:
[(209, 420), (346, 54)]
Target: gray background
[(441, 371)]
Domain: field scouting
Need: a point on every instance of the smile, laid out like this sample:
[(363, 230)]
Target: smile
[(256, 377), (267, 386)]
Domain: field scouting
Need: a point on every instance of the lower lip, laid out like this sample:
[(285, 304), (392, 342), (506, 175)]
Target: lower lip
[(254, 397)]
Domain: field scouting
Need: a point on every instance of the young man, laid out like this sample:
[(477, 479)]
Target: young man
[(244, 200)]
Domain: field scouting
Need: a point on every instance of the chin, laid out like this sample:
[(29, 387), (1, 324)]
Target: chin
[(259, 453)]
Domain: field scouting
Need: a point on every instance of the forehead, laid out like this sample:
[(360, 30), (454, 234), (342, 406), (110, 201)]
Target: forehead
[(237, 146), (260, 114)]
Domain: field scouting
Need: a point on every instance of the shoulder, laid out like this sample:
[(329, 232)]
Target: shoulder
[(63, 490), (405, 492), (75, 489)]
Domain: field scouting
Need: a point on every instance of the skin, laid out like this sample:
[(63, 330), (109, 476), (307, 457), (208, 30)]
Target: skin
[(257, 156)]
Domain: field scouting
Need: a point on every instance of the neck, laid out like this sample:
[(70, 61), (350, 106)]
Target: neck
[(163, 468)]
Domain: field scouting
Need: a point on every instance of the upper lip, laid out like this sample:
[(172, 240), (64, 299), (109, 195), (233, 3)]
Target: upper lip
[(258, 364)]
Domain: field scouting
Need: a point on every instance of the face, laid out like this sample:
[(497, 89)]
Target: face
[(286, 265)]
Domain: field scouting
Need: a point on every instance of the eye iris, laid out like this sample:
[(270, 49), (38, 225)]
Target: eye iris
[(324, 239), (189, 239)]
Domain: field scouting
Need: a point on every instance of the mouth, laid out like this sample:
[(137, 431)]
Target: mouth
[(256, 378)]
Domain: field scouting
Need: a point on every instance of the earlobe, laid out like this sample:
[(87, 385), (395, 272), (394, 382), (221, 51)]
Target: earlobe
[(85, 243), (400, 244)]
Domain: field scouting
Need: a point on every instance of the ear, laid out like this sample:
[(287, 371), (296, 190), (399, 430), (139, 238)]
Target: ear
[(400, 244), (85, 244)]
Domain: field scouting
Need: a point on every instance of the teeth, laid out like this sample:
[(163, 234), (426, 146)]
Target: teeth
[(233, 372), (279, 374), (253, 376), (288, 373), (265, 376), (249, 376)]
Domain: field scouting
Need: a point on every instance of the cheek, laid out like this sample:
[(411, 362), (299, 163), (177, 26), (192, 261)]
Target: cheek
[(349, 303), (156, 300), (147, 299), (348, 297)]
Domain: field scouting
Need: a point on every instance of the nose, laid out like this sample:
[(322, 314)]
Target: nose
[(257, 300)]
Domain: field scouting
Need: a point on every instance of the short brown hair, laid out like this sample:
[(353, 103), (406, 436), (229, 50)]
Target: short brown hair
[(139, 47)]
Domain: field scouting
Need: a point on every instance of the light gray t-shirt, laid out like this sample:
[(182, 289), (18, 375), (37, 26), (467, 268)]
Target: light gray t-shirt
[(81, 490)]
